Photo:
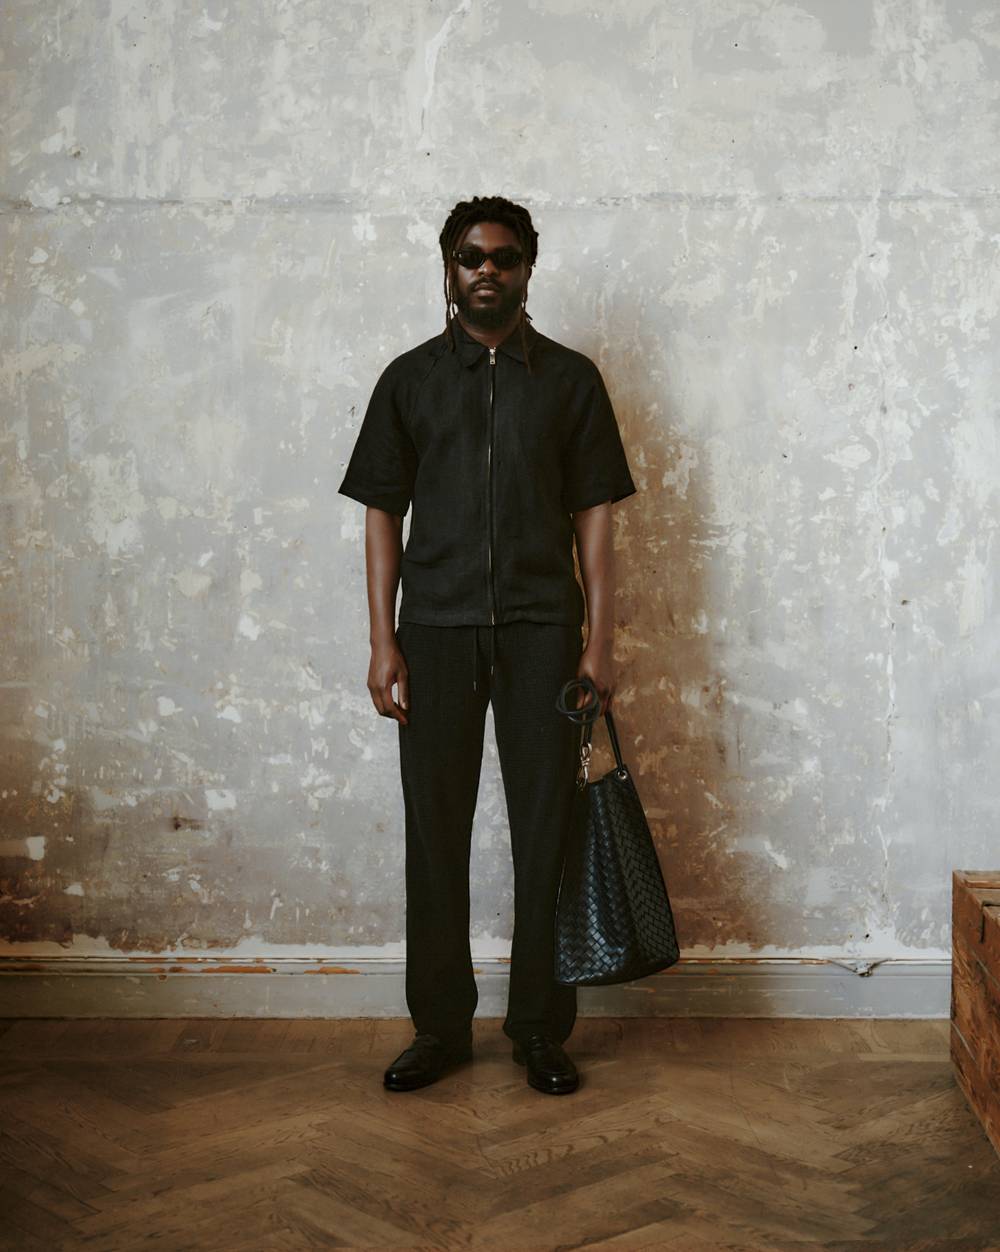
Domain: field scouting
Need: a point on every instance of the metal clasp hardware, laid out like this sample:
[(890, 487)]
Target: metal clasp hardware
[(584, 770)]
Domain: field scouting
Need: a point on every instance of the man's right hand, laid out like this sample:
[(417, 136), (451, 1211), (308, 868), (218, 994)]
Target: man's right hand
[(388, 669)]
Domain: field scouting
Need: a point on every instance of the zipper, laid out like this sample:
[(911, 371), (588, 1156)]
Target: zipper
[(489, 483)]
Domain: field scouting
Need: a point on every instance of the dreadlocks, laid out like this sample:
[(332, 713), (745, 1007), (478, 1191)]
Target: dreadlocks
[(486, 209)]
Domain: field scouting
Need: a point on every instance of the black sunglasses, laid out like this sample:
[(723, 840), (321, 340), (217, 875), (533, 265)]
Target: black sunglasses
[(507, 258)]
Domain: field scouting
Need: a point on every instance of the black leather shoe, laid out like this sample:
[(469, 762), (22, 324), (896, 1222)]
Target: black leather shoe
[(549, 1068), (425, 1061)]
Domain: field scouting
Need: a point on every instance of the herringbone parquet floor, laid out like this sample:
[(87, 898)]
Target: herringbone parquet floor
[(688, 1134)]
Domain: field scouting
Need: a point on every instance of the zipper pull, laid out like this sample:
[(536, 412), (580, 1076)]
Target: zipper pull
[(493, 356)]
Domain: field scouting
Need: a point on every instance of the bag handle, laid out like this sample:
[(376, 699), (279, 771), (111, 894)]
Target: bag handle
[(586, 716)]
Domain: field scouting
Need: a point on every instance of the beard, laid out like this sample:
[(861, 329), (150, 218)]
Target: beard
[(489, 316)]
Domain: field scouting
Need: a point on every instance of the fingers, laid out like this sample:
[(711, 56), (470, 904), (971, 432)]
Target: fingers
[(386, 670), (605, 693), (392, 708), (385, 704)]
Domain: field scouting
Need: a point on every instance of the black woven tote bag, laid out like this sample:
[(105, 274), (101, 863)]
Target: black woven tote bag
[(613, 917)]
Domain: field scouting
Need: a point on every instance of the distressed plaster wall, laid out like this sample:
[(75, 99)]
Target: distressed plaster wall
[(774, 226)]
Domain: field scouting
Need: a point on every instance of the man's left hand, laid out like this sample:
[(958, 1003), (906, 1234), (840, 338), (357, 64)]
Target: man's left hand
[(598, 666)]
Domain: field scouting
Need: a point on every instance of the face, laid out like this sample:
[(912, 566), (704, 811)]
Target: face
[(489, 297)]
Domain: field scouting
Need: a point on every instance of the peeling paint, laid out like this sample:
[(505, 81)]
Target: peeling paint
[(33, 847)]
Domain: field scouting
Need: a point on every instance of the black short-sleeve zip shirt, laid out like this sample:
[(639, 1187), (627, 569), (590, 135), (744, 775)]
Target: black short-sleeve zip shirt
[(495, 460)]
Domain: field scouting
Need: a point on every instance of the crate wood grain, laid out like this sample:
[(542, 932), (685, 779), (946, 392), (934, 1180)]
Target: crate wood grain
[(975, 993)]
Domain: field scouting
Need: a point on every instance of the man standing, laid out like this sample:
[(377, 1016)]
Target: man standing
[(506, 443)]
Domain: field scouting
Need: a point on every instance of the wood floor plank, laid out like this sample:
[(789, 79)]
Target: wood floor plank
[(33, 1220), (129, 1210), (296, 1135), (238, 1218), (33, 1037), (685, 1134), (593, 1164), (407, 1167), (326, 1213)]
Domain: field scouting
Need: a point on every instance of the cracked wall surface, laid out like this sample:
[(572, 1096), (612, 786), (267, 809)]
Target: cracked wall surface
[(774, 226)]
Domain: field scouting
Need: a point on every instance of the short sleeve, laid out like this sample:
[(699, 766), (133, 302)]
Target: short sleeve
[(595, 466), (383, 465)]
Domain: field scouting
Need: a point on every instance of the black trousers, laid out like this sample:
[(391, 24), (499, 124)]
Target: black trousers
[(454, 673)]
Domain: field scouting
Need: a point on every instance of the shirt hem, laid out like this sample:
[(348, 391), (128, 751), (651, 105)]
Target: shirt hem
[(608, 494), (397, 505)]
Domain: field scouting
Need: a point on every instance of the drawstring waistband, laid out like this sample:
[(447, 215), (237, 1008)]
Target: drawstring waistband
[(475, 653)]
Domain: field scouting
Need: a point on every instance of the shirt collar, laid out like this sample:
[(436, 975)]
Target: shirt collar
[(470, 350)]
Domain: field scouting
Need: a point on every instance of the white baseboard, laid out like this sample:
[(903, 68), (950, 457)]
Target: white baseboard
[(342, 986)]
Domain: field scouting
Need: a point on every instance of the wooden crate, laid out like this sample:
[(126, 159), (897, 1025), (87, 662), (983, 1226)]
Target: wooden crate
[(975, 992)]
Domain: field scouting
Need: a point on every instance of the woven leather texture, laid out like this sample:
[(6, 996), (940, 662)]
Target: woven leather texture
[(614, 922)]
